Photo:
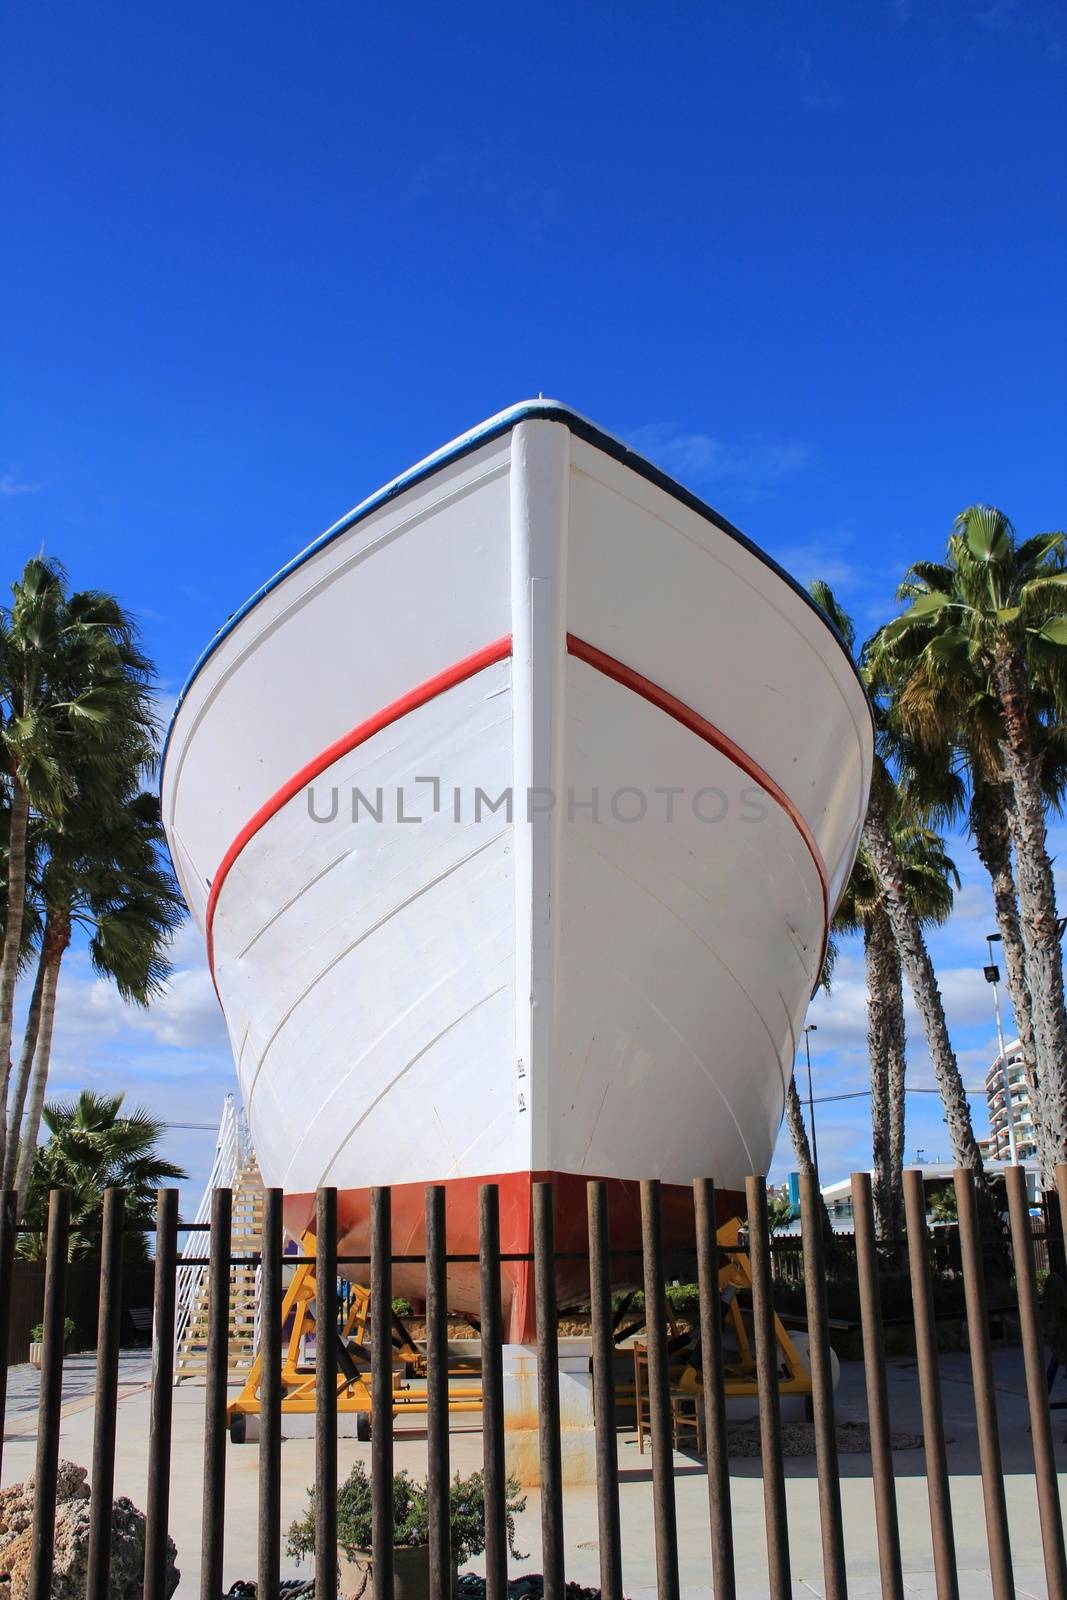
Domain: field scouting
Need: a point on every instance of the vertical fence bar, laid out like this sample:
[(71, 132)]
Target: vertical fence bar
[(268, 1567), (922, 1299), (213, 1510), (108, 1333), (7, 1275), (550, 1449), (770, 1416), (51, 1399), (381, 1390), (714, 1380), (659, 1395), (326, 1394), (1048, 1499), (157, 1504), (437, 1393), (885, 1494), (1054, 1239), (496, 1544), (607, 1455), (822, 1388), (1061, 1191), (985, 1405)]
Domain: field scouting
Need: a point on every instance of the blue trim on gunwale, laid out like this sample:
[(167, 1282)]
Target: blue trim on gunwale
[(493, 428)]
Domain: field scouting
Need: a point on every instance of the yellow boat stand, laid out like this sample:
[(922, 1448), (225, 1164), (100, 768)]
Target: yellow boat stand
[(739, 1368), (409, 1387), (794, 1375), (353, 1361)]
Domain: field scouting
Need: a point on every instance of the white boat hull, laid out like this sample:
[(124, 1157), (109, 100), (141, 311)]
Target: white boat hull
[(611, 980)]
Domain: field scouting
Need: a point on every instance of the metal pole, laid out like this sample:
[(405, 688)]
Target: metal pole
[(437, 1451), (550, 1449), (1048, 1499), (607, 1455), (7, 1274), (885, 1499), (822, 1389), (926, 1355), (659, 1395), (269, 1551), (108, 1325), (711, 1354), (496, 1542), (42, 1537), (985, 1400), (157, 1505), (326, 1336), (218, 1357), (381, 1391), (770, 1415)]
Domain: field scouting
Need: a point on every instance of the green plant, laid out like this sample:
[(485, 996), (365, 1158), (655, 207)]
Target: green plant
[(943, 1205), (411, 1516), (780, 1212), (401, 1306), (93, 1146), (682, 1298), (37, 1332)]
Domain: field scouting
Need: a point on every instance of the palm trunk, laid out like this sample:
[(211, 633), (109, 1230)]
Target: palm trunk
[(9, 960), (56, 939), (794, 1117), (923, 981), (878, 950), (22, 1078), (1037, 895), (897, 1069), (990, 824)]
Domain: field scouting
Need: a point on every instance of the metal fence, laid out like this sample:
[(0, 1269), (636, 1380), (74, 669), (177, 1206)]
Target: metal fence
[(708, 1254)]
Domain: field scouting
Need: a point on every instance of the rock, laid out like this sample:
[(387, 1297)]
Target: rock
[(531, 1587), (71, 1546), (16, 1501)]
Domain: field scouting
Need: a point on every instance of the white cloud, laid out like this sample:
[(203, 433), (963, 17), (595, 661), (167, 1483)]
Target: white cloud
[(187, 1016), (754, 467), (11, 484), (815, 560)]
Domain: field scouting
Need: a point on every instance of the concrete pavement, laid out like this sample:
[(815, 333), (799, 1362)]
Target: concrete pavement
[(635, 1492)]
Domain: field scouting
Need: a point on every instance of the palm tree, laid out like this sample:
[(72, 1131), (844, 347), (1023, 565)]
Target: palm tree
[(877, 842), (929, 876), (72, 678), (105, 873), (951, 727), (996, 610), (92, 1148)]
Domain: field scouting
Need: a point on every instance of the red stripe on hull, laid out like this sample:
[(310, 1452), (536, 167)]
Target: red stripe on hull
[(664, 701), (618, 671), (516, 1235), (449, 679)]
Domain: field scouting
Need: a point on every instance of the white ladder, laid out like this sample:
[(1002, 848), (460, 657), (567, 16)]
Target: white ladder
[(234, 1168)]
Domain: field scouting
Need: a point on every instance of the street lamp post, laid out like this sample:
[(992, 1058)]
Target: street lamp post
[(811, 1027), (992, 975)]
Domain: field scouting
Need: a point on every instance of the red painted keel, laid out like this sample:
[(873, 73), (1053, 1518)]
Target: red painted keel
[(516, 1236)]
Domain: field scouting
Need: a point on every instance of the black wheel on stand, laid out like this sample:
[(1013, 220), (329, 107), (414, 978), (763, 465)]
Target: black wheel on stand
[(363, 1426)]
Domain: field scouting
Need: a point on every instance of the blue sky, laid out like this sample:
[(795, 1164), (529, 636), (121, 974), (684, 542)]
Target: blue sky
[(259, 258)]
